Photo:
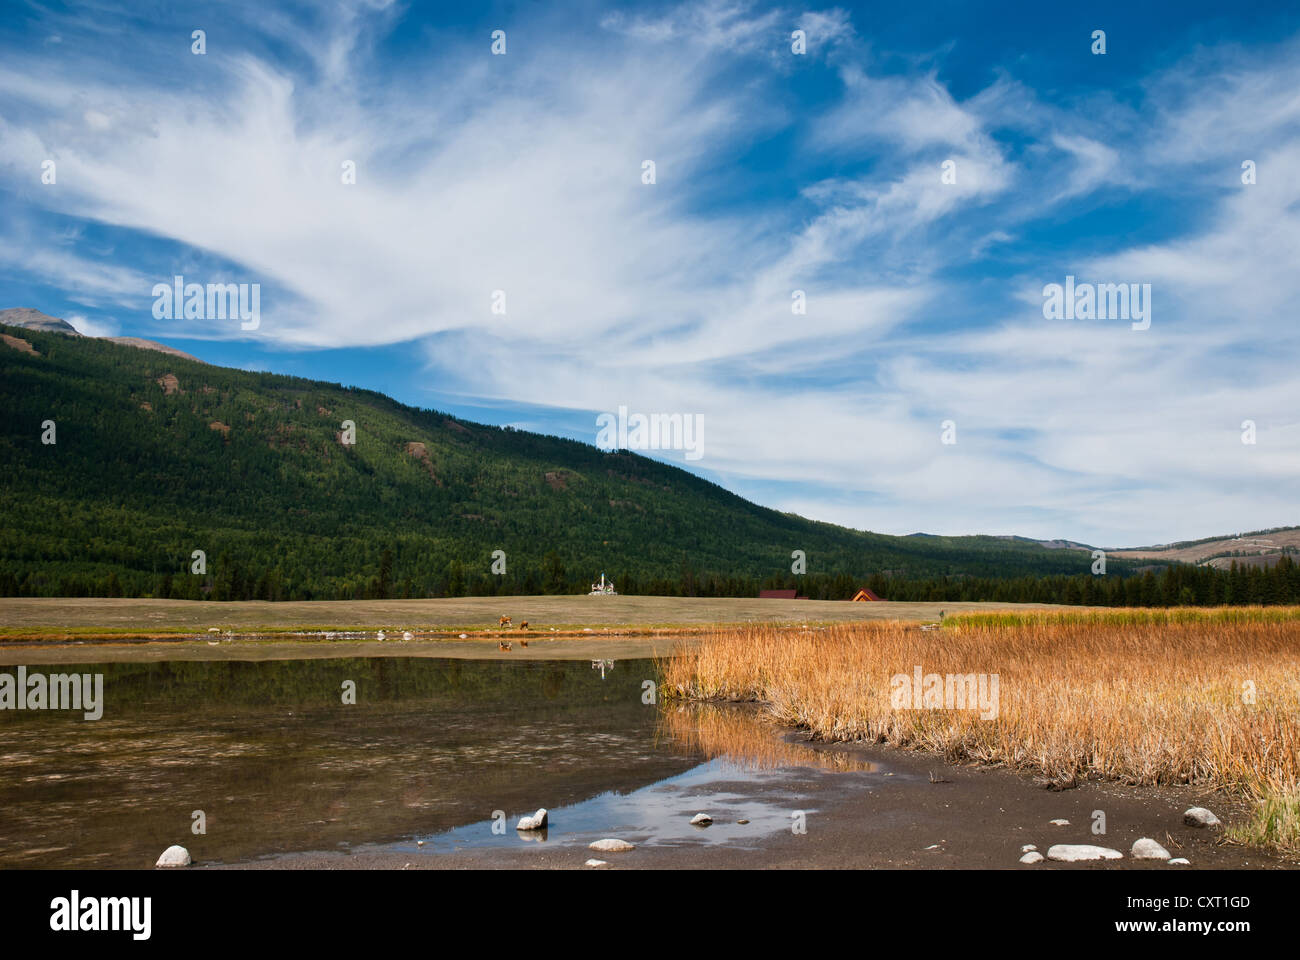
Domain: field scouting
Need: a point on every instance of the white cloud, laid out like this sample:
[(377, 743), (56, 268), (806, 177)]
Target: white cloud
[(92, 328), (1096, 164), (523, 174)]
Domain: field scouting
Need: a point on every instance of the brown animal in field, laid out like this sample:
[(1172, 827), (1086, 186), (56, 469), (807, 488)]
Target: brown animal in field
[(503, 644), (523, 625), (504, 622)]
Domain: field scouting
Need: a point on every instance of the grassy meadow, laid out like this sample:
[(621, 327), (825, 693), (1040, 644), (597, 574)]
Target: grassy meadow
[(1152, 697), (63, 617)]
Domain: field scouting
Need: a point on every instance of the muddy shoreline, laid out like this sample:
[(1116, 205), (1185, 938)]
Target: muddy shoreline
[(974, 818)]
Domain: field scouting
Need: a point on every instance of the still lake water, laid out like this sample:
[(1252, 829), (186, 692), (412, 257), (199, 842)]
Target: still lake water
[(431, 749)]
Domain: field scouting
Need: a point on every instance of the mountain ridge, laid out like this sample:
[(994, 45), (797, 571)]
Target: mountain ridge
[(158, 455), (27, 318)]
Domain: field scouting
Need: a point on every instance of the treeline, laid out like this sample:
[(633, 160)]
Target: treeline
[(1176, 585)]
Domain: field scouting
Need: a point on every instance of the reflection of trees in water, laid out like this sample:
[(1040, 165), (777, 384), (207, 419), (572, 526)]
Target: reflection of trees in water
[(553, 682), (745, 737), (279, 763), (199, 684)]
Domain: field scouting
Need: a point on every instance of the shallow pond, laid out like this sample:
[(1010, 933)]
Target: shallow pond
[(438, 750)]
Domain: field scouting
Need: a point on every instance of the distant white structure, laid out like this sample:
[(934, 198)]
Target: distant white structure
[(603, 589)]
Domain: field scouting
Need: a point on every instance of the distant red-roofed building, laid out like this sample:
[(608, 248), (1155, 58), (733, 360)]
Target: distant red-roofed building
[(779, 595), (865, 595)]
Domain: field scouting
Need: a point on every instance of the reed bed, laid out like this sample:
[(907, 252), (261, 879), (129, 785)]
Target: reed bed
[(1126, 616), (1211, 699)]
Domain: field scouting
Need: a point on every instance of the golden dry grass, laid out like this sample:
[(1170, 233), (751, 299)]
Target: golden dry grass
[(1208, 700), (1123, 616)]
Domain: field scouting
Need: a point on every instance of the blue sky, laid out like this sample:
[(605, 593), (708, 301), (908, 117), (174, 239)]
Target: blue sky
[(775, 172)]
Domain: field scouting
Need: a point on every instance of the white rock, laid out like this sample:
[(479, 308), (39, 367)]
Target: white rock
[(1070, 852), (382, 636), (174, 856), (1181, 860), (464, 636), (1148, 849), (596, 863), (1028, 848), (1033, 856), (611, 846), (1060, 823), (701, 819), (406, 635), (536, 822), (1199, 817)]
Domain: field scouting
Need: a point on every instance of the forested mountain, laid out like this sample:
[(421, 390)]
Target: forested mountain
[(155, 456)]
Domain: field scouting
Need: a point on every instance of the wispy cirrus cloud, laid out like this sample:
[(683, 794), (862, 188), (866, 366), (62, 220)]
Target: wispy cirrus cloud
[(774, 173)]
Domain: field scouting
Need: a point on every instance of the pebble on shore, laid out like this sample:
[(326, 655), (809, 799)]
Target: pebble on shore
[(701, 820), (174, 856), (1072, 852), (610, 845), (1148, 849), (1200, 817), (537, 821)]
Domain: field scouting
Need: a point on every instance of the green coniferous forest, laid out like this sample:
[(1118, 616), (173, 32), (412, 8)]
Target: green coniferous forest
[(250, 469)]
